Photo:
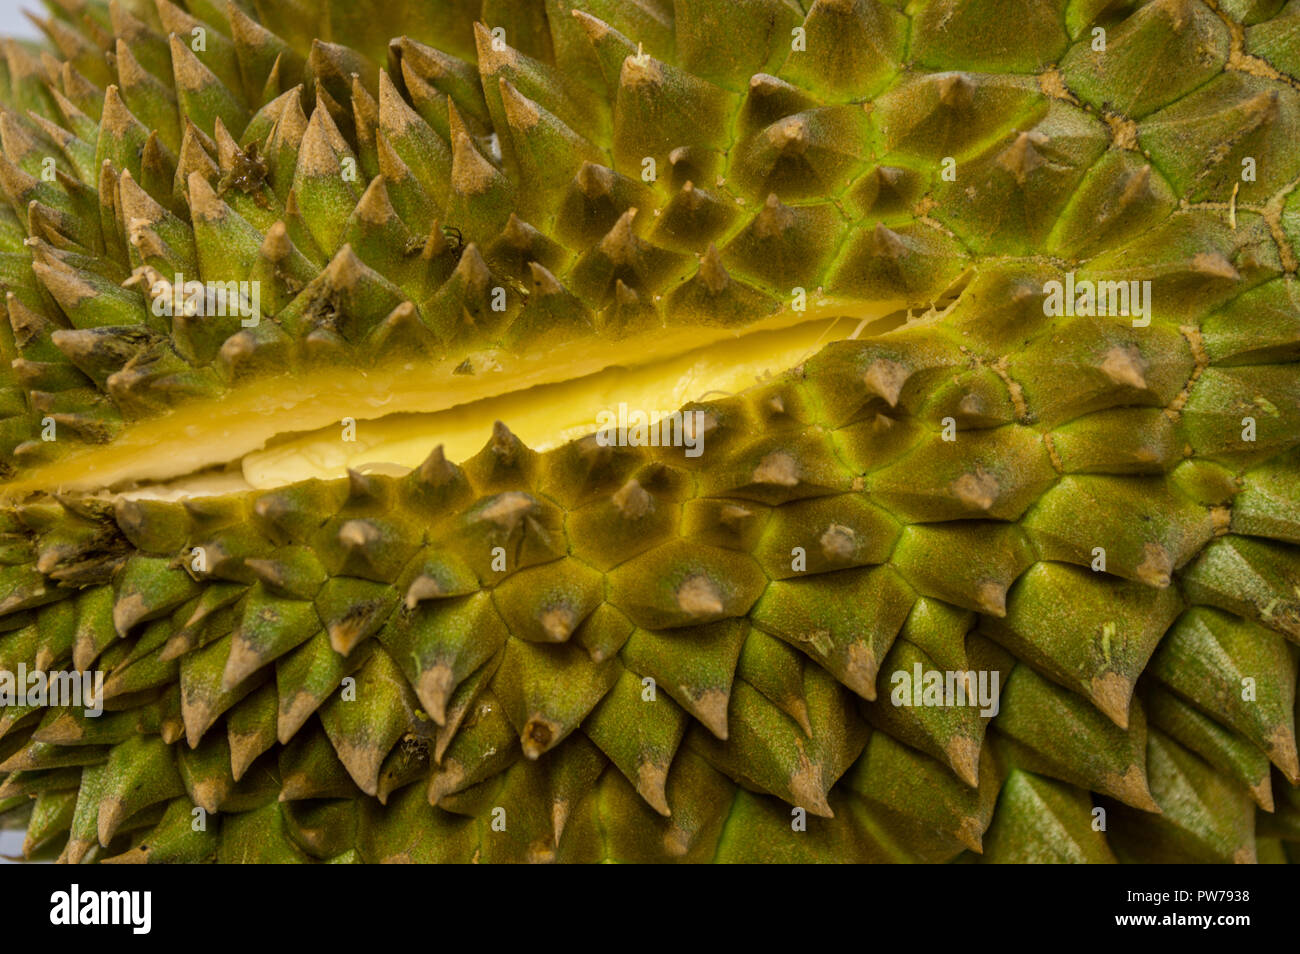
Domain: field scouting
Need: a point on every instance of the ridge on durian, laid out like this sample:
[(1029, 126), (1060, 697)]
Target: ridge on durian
[(982, 318)]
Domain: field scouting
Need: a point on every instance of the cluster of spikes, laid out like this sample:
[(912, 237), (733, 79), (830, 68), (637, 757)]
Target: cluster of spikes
[(383, 204), (613, 648), (605, 653)]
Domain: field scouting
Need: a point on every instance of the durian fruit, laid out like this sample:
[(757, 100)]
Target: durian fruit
[(873, 251)]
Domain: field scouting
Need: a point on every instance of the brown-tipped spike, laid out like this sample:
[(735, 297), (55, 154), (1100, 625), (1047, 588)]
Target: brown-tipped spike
[(504, 444), (790, 135), (807, 789), (698, 595), (773, 219), (507, 510), (270, 572), (346, 634), (956, 91), (838, 542), (885, 379), (797, 709), (358, 535), (110, 817), (595, 181), (888, 243), (375, 208), (204, 203), (434, 689), (362, 488), (1125, 367), (244, 660), (991, 596), (344, 271), (1112, 693), (620, 243), (712, 273), (978, 489), (436, 470), (435, 245), (711, 709), (423, 587), (539, 735), (363, 764), (558, 622), (1282, 751), (971, 834), (691, 198), (1131, 788), (544, 282), (964, 759), (632, 501), (777, 469), (1214, 265), (75, 851), (471, 174), (1157, 566), (1021, 158), (651, 780), (521, 112), (276, 246)]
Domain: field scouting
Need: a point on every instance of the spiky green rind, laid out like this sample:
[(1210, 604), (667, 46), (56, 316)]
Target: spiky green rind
[(437, 188), (533, 646), (669, 658)]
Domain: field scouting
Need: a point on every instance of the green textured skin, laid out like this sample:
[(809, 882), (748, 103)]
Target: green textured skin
[(349, 674)]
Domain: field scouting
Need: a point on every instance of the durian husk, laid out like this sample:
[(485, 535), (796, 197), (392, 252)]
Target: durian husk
[(583, 652)]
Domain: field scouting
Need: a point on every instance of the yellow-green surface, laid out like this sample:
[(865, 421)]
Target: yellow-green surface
[(631, 653)]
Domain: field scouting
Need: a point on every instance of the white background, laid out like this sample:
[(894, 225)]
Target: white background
[(12, 21), (11, 842)]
